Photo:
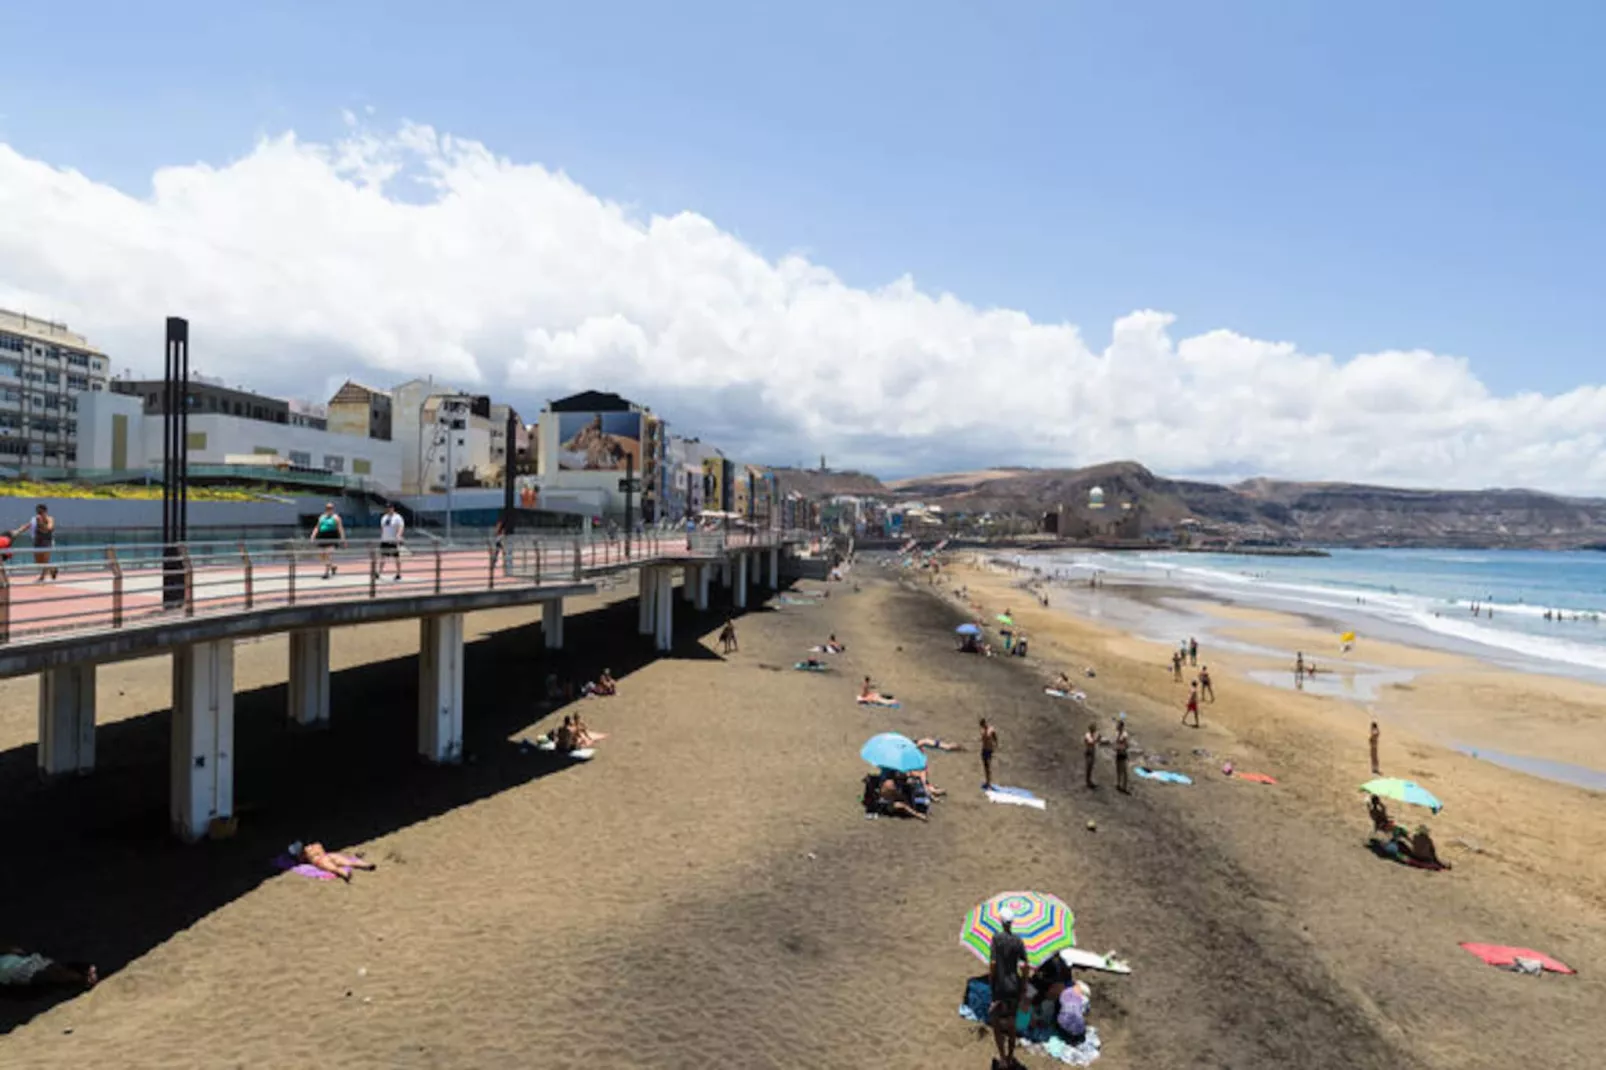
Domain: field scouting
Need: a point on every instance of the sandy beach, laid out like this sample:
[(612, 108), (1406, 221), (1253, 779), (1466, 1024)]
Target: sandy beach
[(708, 892)]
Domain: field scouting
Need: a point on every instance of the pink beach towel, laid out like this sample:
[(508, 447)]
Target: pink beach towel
[(284, 862), (1500, 955), (1256, 778)]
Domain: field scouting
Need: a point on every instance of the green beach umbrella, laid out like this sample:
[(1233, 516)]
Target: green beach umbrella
[(1005, 618), (1405, 791)]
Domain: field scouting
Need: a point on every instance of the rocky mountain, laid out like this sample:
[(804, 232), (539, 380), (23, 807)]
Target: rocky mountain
[(1318, 514)]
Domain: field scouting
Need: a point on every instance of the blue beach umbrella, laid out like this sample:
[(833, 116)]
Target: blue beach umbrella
[(968, 629), (889, 750), (1405, 791)]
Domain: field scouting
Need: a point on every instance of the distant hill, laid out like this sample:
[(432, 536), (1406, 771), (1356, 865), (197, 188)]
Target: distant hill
[(1328, 514)]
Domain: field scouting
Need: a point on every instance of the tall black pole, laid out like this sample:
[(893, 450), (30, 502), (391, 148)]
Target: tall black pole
[(630, 488), (752, 500), (690, 486), (509, 473), (175, 459)]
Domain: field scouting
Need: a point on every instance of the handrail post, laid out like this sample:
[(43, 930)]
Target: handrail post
[(290, 588), (250, 586), (5, 603), (116, 567), (437, 568), (189, 580), (373, 573), (578, 571)]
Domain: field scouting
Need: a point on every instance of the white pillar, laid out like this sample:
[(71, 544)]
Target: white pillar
[(552, 623), (440, 688), (704, 575), (67, 719), (741, 581), (665, 632), (688, 583), (726, 573), (647, 601), (309, 677), (201, 761), (775, 569)]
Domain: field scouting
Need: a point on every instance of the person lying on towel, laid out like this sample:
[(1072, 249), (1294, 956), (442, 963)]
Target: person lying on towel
[(869, 694), (832, 646), (341, 866), (25, 971)]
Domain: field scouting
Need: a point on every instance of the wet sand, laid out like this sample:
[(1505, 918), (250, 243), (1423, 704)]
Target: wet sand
[(707, 891)]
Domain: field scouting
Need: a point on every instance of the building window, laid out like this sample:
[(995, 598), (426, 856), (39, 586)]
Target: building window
[(77, 360), (361, 467), (301, 458), (9, 368), (264, 451), (72, 456), (196, 441), (11, 342), (331, 463), (72, 427)]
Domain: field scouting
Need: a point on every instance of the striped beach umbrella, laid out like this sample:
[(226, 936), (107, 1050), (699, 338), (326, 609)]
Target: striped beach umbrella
[(1043, 922)]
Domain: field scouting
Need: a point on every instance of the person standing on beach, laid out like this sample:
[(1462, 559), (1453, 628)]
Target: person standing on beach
[(1299, 670), (1193, 651), (1122, 743), (1373, 746), (1204, 683), (1090, 753), (1193, 705), (1007, 967), (1176, 666), (42, 527), (989, 743)]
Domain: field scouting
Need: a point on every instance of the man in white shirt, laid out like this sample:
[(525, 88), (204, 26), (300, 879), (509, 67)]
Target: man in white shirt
[(391, 527)]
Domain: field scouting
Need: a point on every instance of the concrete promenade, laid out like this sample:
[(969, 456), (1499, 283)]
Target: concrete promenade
[(101, 609)]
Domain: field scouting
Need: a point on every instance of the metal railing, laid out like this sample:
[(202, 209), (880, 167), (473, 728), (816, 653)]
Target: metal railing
[(83, 589)]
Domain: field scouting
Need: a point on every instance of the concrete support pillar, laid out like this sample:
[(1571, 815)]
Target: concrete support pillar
[(201, 763), (741, 581), (688, 582), (309, 678), (775, 569), (665, 631), (726, 573), (647, 601), (704, 575), (552, 623), (67, 720), (440, 688)]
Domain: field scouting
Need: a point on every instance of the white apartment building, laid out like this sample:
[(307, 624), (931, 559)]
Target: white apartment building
[(44, 368), (121, 434)]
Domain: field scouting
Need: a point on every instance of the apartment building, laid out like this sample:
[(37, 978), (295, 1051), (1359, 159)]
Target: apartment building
[(44, 367)]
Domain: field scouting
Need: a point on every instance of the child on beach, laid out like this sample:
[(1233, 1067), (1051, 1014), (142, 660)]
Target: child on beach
[(989, 743), (1193, 704)]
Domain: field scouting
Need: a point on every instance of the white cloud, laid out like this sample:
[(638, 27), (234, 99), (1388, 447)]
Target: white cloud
[(386, 255)]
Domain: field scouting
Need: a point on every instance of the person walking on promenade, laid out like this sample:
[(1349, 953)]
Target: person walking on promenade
[(1090, 753), (391, 531), (1193, 705), (1122, 743), (328, 531), (1376, 771), (498, 540), (42, 527), (989, 743), (1204, 683)]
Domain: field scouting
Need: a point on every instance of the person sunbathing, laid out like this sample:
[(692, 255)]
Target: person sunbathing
[(606, 684), (933, 743), (868, 693), (892, 801), (1420, 847), (921, 776), (583, 736), (1063, 683), (25, 970), (832, 646), (813, 663), (341, 866)]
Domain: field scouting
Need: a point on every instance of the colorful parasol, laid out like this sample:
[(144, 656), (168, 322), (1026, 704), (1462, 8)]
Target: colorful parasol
[(889, 750), (1004, 618), (1405, 791), (1043, 922)]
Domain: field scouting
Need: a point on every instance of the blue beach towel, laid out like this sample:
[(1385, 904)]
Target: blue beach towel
[(1164, 775), (1042, 1037), (1014, 797)]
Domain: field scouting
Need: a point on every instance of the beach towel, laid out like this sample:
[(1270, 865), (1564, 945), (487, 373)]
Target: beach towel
[(1256, 778), (804, 666), (1109, 962), (1165, 776), (301, 869), (1014, 797), (887, 704), (1511, 957), (1388, 850), (1042, 1037), (1074, 696)]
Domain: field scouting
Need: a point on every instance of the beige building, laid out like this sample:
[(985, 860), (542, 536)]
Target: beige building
[(360, 410), (44, 367)]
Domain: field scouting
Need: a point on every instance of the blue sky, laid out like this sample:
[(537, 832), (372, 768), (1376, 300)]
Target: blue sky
[(1351, 177)]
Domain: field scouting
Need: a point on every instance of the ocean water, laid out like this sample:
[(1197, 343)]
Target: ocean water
[(1415, 595)]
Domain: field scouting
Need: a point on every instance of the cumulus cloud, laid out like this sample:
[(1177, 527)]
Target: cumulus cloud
[(395, 253)]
